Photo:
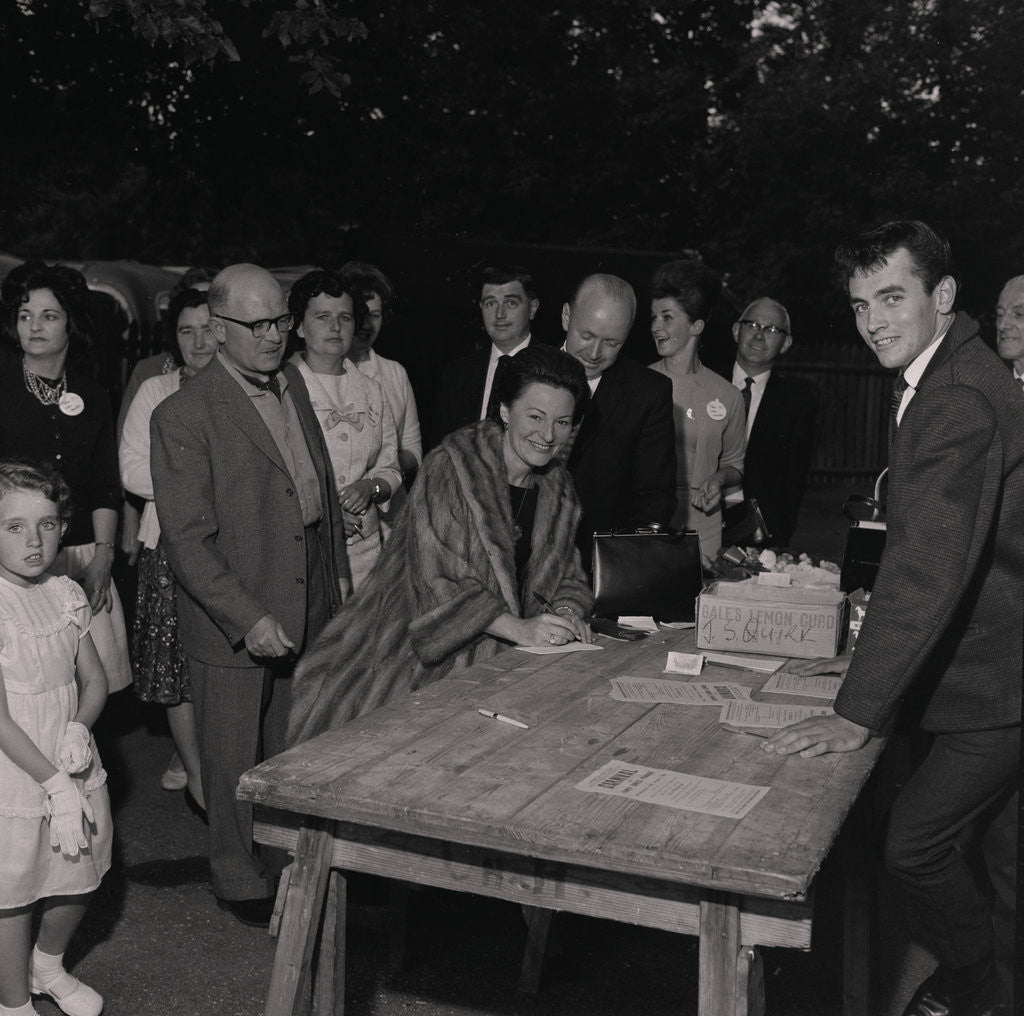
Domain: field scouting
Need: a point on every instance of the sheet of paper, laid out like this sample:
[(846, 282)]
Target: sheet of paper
[(686, 693), (678, 624), (765, 714), (824, 686), (673, 790), (643, 623), (569, 647), (684, 663), (746, 661)]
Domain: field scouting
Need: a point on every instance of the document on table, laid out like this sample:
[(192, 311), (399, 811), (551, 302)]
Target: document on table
[(815, 686), (569, 647), (685, 693), (684, 663), (764, 714), (745, 661), (641, 623), (673, 790)]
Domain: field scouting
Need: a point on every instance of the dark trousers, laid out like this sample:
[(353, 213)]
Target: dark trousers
[(965, 779), (241, 717), (999, 848)]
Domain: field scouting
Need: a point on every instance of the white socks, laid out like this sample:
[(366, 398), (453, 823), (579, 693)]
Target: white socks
[(48, 972), (48, 977), (22, 1010)]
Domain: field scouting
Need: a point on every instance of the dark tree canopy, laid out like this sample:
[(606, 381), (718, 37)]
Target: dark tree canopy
[(186, 130)]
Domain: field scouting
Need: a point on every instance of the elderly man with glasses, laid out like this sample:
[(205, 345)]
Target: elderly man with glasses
[(246, 502), (781, 413)]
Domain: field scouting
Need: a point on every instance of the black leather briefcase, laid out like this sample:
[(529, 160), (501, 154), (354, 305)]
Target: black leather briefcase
[(651, 572)]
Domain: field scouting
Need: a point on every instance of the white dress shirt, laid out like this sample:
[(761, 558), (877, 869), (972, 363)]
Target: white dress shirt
[(492, 366), (916, 368), (739, 379)]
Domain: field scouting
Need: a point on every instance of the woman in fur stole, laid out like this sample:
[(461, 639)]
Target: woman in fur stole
[(490, 522)]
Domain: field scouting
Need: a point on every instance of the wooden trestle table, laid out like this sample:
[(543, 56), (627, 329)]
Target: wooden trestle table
[(428, 791)]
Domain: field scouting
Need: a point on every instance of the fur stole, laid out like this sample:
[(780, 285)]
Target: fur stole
[(446, 573)]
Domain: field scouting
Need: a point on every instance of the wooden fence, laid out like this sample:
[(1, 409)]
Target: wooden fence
[(853, 409)]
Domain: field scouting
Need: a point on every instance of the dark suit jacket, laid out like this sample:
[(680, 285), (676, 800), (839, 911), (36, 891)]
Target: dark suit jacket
[(623, 461), (459, 394), (946, 617), (230, 519), (779, 452)]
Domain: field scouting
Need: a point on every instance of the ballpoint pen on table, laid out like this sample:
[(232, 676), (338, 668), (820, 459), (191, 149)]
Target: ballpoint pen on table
[(503, 719)]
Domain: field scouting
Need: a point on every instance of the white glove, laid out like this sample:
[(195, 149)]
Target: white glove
[(66, 807), (75, 753)]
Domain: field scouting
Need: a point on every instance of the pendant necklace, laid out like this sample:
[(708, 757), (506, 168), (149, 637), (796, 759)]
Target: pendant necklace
[(517, 532), (56, 394)]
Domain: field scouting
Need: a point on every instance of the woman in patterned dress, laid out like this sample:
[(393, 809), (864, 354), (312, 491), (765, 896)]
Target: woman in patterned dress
[(161, 670)]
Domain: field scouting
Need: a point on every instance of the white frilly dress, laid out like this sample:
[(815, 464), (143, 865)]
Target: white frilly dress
[(40, 630)]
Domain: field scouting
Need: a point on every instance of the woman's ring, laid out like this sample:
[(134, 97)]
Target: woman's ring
[(552, 639)]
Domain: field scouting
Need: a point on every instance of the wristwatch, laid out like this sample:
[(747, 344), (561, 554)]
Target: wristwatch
[(377, 492)]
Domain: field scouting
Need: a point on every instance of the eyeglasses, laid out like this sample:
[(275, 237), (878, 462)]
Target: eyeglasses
[(260, 328), (770, 331)]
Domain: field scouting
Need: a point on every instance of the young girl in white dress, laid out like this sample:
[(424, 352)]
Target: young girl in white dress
[(55, 825)]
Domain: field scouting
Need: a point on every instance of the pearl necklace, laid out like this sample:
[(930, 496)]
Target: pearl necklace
[(47, 395)]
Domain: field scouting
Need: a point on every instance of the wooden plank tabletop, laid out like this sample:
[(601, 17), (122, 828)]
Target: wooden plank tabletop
[(432, 766)]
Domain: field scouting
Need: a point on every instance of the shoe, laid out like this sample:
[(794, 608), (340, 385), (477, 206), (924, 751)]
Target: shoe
[(944, 994), (174, 778), (256, 913), (78, 1000), (195, 807)]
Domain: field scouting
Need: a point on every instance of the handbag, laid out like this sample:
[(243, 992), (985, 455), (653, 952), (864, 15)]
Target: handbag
[(649, 571), (865, 540), (743, 524)]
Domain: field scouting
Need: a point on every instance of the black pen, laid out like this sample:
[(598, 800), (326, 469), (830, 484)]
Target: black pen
[(544, 602)]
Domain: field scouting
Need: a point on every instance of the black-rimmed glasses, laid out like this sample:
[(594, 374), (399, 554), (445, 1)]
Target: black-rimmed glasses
[(771, 331), (260, 328)]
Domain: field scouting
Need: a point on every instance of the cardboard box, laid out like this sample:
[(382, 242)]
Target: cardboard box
[(743, 617)]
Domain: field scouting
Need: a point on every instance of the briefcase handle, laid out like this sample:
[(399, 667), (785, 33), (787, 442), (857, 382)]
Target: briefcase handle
[(646, 529), (875, 503)]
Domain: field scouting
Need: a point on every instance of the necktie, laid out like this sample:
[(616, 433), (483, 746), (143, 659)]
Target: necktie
[(898, 388), (489, 389), (747, 384), (271, 384)]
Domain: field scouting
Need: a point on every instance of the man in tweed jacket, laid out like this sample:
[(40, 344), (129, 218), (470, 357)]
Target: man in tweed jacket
[(945, 627), (249, 518)]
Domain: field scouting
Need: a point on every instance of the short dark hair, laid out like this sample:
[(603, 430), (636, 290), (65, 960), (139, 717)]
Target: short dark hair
[(67, 285), (193, 277), (694, 286), (930, 254), (181, 300), (313, 284), (502, 275), (365, 281), (539, 364), (42, 478)]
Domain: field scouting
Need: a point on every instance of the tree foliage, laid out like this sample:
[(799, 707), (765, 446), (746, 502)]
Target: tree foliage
[(179, 130)]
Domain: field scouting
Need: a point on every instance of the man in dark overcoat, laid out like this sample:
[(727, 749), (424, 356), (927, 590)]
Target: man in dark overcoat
[(944, 630), (623, 459)]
